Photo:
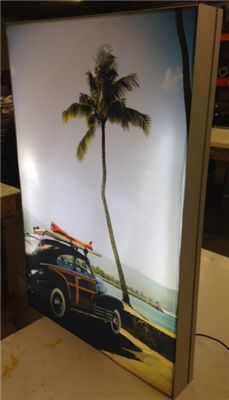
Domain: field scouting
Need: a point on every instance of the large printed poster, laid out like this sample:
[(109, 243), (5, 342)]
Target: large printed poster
[(101, 117)]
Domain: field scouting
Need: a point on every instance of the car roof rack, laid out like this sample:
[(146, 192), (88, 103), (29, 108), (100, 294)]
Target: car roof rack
[(59, 234)]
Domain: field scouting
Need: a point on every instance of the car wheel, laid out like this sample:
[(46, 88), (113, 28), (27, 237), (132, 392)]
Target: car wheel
[(116, 322), (58, 303)]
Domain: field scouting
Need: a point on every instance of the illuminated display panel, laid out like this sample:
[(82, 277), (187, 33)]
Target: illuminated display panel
[(101, 114)]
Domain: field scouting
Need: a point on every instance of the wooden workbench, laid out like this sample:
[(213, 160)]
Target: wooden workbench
[(10, 211), (220, 138), (219, 147), (45, 362)]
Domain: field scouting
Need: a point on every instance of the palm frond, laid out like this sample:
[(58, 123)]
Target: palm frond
[(85, 99), (124, 85), (106, 65), (104, 57), (84, 143), (92, 121), (91, 82), (138, 119), (125, 116), (76, 110), (116, 113)]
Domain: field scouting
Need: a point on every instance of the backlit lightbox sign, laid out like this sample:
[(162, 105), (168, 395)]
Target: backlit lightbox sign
[(112, 126)]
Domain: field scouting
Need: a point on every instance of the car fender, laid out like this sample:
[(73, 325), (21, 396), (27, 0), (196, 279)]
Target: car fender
[(108, 302), (51, 277)]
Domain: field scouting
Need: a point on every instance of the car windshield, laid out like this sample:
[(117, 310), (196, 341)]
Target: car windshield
[(82, 266)]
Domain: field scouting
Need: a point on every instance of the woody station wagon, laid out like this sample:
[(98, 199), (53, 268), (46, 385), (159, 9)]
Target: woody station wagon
[(62, 274)]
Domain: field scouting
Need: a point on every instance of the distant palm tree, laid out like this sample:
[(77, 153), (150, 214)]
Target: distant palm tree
[(185, 64), (105, 103)]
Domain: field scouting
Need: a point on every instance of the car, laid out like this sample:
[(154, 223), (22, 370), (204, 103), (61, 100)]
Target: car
[(62, 273)]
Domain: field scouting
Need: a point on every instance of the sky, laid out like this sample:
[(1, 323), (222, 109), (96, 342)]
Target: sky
[(145, 181)]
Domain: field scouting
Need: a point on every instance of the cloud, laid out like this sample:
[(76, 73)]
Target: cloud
[(171, 80)]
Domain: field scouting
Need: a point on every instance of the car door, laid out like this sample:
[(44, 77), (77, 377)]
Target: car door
[(86, 284)]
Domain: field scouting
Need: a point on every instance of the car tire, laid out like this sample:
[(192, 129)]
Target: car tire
[(58, 303), (116, 322)]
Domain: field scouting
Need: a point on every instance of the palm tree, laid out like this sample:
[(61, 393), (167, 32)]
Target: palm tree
[(185, 63), (106, 102)]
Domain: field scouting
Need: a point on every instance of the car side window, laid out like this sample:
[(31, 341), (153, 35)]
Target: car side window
[(65, 261)]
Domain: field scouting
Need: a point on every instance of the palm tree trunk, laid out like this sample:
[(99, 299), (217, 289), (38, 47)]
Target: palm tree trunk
[(185, 62), (109, 225)]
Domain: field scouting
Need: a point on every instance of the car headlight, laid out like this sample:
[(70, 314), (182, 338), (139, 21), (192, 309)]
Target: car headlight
[(100, 287), (33, 271)]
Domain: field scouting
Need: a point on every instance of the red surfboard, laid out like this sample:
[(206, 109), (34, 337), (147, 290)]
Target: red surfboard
[(56, 229)]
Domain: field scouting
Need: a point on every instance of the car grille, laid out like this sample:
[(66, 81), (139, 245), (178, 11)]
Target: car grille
[(102, 312), (37, 288)]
